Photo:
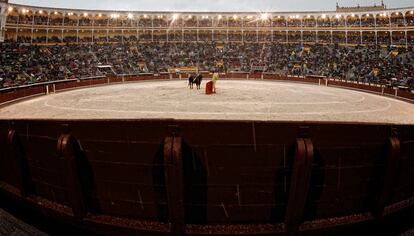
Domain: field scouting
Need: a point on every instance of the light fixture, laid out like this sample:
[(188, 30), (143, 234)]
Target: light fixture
[(85, 14), (323, 16), (264, 16), (56, 13), (235, 17), (130, 16), (338, 16), (219, 17), (175, 17), (99, 15), (145, 16), (10, 9), (40, 12)]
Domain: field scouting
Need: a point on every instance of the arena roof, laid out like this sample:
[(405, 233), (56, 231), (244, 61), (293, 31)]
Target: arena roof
[(269, 14), (207, 6)]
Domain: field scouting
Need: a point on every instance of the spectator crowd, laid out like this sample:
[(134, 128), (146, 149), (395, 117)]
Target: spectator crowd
[(26, 64)]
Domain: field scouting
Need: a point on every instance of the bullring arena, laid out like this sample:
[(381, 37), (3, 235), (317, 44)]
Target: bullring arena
[(236, 100), (311, 131)]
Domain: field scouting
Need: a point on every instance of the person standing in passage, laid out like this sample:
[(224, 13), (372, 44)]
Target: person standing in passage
[(214, 80)]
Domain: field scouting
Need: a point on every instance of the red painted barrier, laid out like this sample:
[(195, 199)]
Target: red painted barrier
[(161, 177)]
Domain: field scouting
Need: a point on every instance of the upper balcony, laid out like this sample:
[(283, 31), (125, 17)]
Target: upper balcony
[(28, 16)]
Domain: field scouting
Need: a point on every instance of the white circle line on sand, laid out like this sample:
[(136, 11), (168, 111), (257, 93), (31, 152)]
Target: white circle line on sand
[(217, 113), (361, 99)]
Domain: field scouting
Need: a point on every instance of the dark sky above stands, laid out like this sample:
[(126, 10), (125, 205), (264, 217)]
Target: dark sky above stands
[(210, 5)]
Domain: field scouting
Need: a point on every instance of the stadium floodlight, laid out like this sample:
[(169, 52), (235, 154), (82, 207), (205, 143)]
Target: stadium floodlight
[(130, 16), (264, 16)]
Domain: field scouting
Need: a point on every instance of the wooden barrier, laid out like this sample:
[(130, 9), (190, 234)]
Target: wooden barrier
[(162, 177)]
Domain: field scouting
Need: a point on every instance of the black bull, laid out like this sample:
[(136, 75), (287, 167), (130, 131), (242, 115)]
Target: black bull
[(195, 80)]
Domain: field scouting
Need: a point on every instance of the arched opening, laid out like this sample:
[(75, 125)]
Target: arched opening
[(368, 20), (353, 21), (309, 21), (383, 20), (101, 20), (278, 21), (397, 19), (160, 21)]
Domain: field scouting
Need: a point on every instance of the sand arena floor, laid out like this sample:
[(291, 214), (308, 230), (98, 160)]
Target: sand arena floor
[(235, 100)]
